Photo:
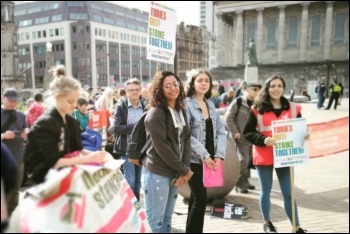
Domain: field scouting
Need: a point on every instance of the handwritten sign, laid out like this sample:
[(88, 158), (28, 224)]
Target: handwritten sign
[(161, 40), (290, 148)]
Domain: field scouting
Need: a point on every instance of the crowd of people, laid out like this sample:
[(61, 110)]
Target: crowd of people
[(183, 124)]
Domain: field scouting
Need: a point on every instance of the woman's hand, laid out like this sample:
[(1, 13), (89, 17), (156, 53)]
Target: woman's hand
[(217, 163), (98, 157), (269, 141), (209, 162)]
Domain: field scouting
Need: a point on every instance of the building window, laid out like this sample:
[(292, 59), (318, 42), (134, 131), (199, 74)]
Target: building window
[(75, 3), (42, 20), (25, 23), (56, 18), (251, 26), (271, 34), (293, 32), (316, 30), (78, 16), (339, 28)]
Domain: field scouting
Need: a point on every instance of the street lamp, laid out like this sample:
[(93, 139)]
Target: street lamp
[(328, 65)]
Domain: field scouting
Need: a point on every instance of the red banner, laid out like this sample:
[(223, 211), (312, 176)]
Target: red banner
[(98, 119), (328, 137)]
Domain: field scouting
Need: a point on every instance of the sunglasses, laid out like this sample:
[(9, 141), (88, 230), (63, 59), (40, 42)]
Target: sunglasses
[(175, 84)]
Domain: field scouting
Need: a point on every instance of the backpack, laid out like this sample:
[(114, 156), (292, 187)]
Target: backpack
[(316, 89), (239, 104), (138, 142)]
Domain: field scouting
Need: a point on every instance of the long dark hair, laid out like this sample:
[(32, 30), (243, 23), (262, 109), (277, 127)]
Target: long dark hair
[(192, 77), (157, 98), (262, 101)]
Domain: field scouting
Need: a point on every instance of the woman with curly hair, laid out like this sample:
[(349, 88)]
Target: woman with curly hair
[(270, 105), (166, 166), (208, 143)]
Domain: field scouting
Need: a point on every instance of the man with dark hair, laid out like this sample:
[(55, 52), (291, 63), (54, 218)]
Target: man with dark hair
[(221, 89), (321, 89), (35, 110), (13, 132)]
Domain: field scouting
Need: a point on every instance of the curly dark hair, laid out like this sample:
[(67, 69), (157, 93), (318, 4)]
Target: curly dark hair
[(263, 102), (157, 98), (192, 77)]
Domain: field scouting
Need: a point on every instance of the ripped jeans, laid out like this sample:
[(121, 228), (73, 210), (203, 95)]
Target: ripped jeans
[(160, 199)]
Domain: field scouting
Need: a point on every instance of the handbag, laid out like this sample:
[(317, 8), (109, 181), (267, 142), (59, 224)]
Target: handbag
[(213, 178)]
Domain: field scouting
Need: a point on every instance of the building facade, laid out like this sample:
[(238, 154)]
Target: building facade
[(192, 44), (100, 43), (299, 40), (10, 76)]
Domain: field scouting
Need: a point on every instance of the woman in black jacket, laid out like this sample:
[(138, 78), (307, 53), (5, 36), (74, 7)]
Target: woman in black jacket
[(54, 141)]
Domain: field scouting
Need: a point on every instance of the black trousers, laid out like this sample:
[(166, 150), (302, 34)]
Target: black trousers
[(198, 200), (334, 97)]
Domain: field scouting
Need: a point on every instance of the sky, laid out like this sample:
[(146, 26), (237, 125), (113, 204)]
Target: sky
[(187, 12)]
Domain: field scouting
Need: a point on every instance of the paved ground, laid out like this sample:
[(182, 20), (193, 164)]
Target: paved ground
[(321, 190)]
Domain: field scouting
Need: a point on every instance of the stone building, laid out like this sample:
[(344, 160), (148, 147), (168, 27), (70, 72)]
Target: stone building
[(192, 49), (299, 40), (10, 76)]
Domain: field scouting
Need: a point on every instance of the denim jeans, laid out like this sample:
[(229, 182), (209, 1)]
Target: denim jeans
[(160, 198), (132, 174), (265, 178), (320, 101)]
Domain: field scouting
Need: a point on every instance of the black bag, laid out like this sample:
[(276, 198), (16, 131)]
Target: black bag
[(316, 89), (12, 118), (138, 142)]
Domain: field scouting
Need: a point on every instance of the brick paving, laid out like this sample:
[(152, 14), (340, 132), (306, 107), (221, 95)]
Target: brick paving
[(321, 190)]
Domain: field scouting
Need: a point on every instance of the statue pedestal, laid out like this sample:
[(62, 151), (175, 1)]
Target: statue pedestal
[(251, 74)]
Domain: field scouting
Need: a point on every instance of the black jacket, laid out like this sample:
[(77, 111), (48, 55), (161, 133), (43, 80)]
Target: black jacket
[(164, 157), (48, 141), (121, 127)]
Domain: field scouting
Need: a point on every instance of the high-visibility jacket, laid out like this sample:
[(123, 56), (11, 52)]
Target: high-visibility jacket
[(264, 155)]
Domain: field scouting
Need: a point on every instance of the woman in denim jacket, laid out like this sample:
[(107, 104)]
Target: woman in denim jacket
[(208, 143)]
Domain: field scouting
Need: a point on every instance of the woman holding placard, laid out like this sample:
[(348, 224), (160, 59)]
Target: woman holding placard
[(270, 105), (208, 143)]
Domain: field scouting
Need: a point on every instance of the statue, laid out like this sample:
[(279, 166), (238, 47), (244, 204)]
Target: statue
[(252, 59)]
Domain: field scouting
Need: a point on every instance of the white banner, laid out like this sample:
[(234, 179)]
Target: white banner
[(290, 148), (161, 40), (83, 199)]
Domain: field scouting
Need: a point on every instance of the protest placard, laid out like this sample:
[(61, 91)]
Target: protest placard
[(83, 199), (290, 148), (161, 40)]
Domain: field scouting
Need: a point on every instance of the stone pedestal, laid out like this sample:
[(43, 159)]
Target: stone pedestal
[(251, 74)]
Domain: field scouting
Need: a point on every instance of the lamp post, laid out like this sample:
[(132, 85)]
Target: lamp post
[(328, 65)]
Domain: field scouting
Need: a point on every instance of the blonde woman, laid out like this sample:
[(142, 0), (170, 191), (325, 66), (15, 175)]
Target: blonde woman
[(55, 137)]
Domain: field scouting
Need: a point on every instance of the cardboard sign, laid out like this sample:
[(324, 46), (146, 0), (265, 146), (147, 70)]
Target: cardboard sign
[(98, 119), (228, 210), (83, 199), (291, 147)]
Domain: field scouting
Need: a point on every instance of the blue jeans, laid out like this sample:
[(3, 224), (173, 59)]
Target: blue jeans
[(132, 174), (160, 198), (320, 101), (265, 179)]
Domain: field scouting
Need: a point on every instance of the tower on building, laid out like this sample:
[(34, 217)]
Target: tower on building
[(10, 76)]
